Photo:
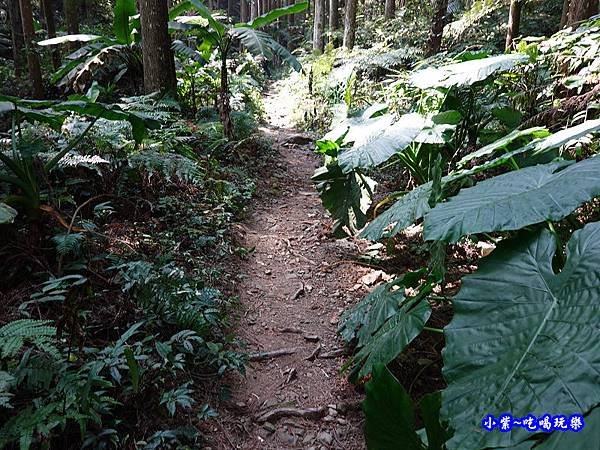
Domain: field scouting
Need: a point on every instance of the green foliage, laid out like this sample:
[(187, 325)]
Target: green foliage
[(532, 308), (7, 214), (515, 200), (14, 335), (390, 416), (345, 196), (124, 9), (385, 322)]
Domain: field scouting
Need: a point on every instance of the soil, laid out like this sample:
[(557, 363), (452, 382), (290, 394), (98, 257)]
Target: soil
[(294, 284)]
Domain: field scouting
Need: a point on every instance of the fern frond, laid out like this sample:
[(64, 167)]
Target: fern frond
[(14, 335)]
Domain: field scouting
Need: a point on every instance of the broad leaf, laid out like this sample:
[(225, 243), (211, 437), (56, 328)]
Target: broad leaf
[(389, 414), (69, 38), (464, 73), (515, 200), (388, 342), (563, 137), (275, 14), (575, 441), (347, 197), (383, 142), (437, 433), (260, 43), (7, 214), (123, 10), (403, 213), (523, 339), (504, 142), (139, 121), (366, 318), (254, 40), (207, 14)]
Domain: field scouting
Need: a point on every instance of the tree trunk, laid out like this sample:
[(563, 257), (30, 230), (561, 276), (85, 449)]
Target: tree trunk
[(437, 27), (230, 7), (390, 9), (253, 9), (350, 24), (580, 10), (564, 18), (514, 21), (319, 26), (159, 64), (18, 42), (224, 105), (48, 9), (244, 11), (33, 60), (334, 15), (71, 8)]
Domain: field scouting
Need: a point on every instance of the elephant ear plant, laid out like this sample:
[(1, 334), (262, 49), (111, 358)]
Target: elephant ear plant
[(21, 168), (214, 35)]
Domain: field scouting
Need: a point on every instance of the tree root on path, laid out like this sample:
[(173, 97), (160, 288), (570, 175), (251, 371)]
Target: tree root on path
[(261, 356), (308, 413)]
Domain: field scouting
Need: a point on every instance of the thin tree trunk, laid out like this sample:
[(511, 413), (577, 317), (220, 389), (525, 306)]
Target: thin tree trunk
[(514, 22), (33, 60), (230, 8), (437, 27), (48, 9), (390, 9), (253, 9), (18, 41), (350, 24), (224, 105), (291, 17), (71, 8), (159, 64), (244, 11), (334, 15), (319, 26), (564, 18)]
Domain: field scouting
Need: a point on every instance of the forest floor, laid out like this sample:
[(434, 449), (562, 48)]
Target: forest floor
[(293, 286)]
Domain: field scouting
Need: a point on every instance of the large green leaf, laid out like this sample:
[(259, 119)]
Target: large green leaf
[(402, 214), (123, 10), (7, 214), (389, 414), (260, 43), (204, 12), (383, 142), (366, 318), (140, 122), (515, 200), (523, 339), (504, 142), (275, 14), (437, 432), (562, 137), (391, 338), (582, 440), (69, 38), (347, 197), (254, 40), (464, 73)]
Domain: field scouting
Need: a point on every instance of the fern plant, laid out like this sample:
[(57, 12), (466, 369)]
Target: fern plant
[(16, 334)]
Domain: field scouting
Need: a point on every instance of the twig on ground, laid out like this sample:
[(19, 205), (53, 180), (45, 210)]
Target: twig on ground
[(261, 356)]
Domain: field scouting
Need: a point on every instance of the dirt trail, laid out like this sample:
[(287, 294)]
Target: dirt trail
[(297, 282)]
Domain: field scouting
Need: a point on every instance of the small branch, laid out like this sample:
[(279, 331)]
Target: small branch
[(278, 413), (334, 354), (261, 356)]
